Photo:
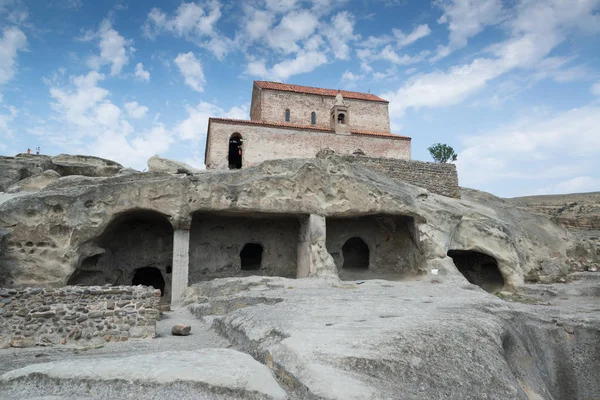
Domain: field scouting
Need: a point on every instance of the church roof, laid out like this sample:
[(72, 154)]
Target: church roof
[(386, 135), (318, 91)]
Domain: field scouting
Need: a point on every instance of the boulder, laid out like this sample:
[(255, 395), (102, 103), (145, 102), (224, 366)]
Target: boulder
[(66, 165), (35, 182), (181, 330), (15, 169), (159, 164)]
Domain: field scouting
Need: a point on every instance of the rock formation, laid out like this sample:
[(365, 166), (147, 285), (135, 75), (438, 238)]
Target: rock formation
[(77, 236)]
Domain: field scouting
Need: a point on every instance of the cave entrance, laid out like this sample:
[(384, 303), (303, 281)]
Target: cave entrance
[(149, 276), (251, 257), (134, 240), (235, 151), (356, 254), (479, 269)]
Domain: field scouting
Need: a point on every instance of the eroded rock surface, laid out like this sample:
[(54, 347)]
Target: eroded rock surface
[(411, 340), (78, 214), (200, 374), (159, 164)]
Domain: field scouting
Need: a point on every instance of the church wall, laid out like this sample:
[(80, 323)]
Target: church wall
[(262, 143), (371, 116)]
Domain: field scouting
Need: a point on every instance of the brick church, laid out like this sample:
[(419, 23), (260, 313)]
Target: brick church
[(293, 121)]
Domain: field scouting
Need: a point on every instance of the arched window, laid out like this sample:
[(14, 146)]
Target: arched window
[(356, 254), (341, 118), (313, 118), (287, 115), (235, 151)]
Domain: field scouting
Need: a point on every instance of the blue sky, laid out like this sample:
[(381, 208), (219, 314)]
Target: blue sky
[(513, 86)]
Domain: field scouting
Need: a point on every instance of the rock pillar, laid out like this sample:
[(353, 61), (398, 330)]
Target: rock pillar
[(181, 261), (313, 258)]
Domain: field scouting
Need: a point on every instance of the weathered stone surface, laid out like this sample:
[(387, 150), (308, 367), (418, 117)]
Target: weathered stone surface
[(159, 164), (411, 340), (22, 166), (181, 330), (76, 212), (207, 373), (35, 182), (66, 165)]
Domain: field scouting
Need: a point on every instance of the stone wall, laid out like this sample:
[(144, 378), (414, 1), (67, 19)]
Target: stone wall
[(440, 178), (262, 143), (216, 242), (77, 315), (363, 115)]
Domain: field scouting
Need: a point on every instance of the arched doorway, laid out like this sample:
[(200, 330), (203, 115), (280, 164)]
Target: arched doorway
[(356, 254), (479, 269), (138, 247), (235, 151), (251, 257), (149, 276)]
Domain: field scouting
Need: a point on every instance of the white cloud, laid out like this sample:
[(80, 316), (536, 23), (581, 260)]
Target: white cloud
[(350, 77), (191, 69), (141, 73), (339, 32), (135, 110), (579, 184), (294, 26), (304, 61), (467, 18), (195, 126), (114, 48), (554, 146), (194, 22), (257, 23), (596, 89), (75, 104), (419, 32), (12, 41), (537, 30)]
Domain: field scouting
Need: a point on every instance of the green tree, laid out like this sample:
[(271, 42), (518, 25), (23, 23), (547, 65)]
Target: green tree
[(442, 153)]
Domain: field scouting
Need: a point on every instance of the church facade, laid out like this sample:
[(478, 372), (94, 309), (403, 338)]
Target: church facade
[(293, 121)]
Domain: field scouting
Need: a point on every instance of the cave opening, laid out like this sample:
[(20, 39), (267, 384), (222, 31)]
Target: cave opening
[(479, 269), (356, 254), (251, 257), (149, 276)]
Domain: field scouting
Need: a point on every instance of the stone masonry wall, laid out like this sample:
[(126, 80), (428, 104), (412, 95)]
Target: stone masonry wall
[(263, 143), (440, 178), (77, 315), (364, 115)]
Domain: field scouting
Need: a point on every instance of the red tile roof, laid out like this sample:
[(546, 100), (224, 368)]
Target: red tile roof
[(386, 135), (318, 91)]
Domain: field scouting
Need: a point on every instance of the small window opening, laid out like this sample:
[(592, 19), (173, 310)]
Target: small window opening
[(235, 151), (251, 256), (356, 254), (340, 119), (287, 115), (149, 276), (313, 118), (169, 269)]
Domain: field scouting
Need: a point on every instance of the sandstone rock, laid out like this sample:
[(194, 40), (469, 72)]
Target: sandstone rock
[(207, 373), (22, 166), (159, 164), (181, 330), (66, 165), (77, 212), (35, 182)]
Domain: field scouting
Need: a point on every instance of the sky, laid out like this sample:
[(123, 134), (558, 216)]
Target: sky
[(513, 86)]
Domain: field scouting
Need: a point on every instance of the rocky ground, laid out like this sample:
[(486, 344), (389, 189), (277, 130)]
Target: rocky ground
[(421, 339)]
